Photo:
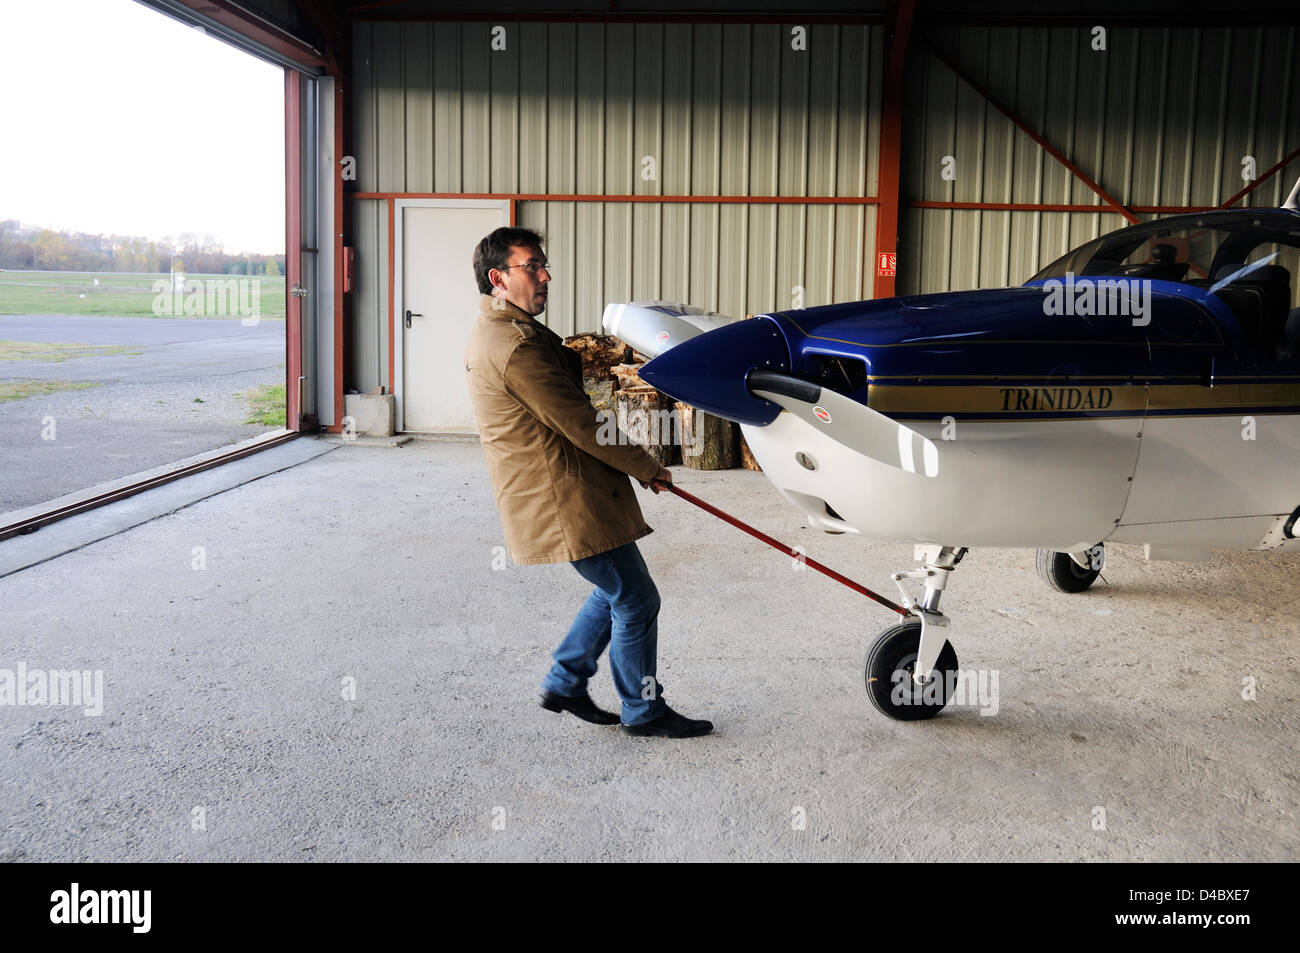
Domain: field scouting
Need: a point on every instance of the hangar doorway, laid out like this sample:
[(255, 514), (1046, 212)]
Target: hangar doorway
[(301, 360), (437, 299), (143, 294)]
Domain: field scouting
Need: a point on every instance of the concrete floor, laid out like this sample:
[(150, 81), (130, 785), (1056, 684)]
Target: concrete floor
[(223, 692)]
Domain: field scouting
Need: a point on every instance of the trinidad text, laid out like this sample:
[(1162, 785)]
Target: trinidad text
[(1056, 398)]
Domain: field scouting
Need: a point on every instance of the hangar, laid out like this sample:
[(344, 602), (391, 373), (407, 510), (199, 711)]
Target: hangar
[(748, 158)]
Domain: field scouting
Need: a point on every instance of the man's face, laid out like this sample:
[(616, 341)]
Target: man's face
[(518, 283)]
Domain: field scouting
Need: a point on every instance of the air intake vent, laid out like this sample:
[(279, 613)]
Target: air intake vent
[(844, 375)]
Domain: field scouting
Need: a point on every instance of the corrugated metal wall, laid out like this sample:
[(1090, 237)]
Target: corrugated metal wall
[(1162, 117), (574, 108)]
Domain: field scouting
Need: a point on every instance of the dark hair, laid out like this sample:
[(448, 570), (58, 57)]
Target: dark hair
[(493, 251)]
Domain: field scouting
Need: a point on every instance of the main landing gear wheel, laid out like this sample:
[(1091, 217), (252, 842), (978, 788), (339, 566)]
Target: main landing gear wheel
[(890, 685), (1062, 573)]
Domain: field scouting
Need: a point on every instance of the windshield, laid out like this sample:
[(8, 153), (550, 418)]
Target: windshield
[(1246, 260), (1202, 253)]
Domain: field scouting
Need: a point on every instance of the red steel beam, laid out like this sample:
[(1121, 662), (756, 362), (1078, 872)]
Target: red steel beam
[(339, 255), (1015, 207), (890, 163), (589, 197), (380, 12), (1033, 134), (392, 277), (1062, 207), (1261, 180), (1169, 209)]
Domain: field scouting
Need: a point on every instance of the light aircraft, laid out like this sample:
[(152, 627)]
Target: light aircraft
[(1144, 388)]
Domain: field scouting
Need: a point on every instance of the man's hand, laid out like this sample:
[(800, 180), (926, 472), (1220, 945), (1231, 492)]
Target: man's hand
[(662, 477)]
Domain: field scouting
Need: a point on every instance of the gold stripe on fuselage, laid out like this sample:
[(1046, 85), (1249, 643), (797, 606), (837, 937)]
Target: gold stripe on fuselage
[(1005, 400), (999, 399), (1222, 396)]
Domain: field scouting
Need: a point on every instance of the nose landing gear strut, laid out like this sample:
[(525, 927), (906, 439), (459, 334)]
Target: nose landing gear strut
[(911, 668)]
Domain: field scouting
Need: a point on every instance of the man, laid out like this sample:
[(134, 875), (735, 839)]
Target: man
[(563, 494)]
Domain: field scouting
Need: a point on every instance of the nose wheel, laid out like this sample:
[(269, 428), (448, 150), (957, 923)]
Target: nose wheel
[(911, 668), (890, 671)]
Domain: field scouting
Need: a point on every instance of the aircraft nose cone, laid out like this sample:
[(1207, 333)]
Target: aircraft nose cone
[(709, 371)]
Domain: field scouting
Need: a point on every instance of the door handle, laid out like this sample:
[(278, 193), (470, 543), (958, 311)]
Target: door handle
[(409, 316)]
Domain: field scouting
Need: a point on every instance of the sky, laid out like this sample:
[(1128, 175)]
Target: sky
[(116, 119)]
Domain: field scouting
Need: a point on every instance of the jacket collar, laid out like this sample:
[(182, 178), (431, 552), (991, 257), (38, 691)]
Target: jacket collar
[(490, 306)]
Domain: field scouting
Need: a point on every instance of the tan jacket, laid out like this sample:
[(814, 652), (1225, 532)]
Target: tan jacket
[(561, 494)]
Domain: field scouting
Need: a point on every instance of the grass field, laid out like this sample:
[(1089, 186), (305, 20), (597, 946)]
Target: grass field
[(267, 405), (53, 352), (116, 295), (19, 390)]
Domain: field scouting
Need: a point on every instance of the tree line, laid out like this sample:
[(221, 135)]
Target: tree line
[(25, 247)]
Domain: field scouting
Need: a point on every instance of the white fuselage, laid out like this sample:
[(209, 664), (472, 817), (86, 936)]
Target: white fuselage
[(1180, 484)]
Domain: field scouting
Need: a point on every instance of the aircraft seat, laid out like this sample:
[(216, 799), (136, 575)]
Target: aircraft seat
[(1163, 265), (1260, 300), (1289, 349)]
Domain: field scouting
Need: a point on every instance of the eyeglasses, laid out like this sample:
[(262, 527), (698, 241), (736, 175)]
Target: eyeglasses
[(531, 266)]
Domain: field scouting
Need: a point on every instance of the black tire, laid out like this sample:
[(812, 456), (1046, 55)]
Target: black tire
[(1062, 573), (890, 662)]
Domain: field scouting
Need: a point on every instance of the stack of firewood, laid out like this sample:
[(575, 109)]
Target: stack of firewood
[(652, 419), (599, 352), (645, 414)]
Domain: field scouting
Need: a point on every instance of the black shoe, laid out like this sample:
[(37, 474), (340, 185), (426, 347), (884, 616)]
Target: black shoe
[(670, 725), (582, 706)]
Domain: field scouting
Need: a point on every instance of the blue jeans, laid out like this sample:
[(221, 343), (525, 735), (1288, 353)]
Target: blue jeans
[(623, 613)]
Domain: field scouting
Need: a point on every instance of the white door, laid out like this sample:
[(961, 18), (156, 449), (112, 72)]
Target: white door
[(437, 303)]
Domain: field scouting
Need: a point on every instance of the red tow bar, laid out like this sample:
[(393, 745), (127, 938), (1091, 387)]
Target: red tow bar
[(775, 544)]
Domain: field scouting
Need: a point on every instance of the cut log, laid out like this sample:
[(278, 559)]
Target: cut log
[(599, 392), (646, 416), (628, 375), (708, 442), (747, 457), (599, 352)]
